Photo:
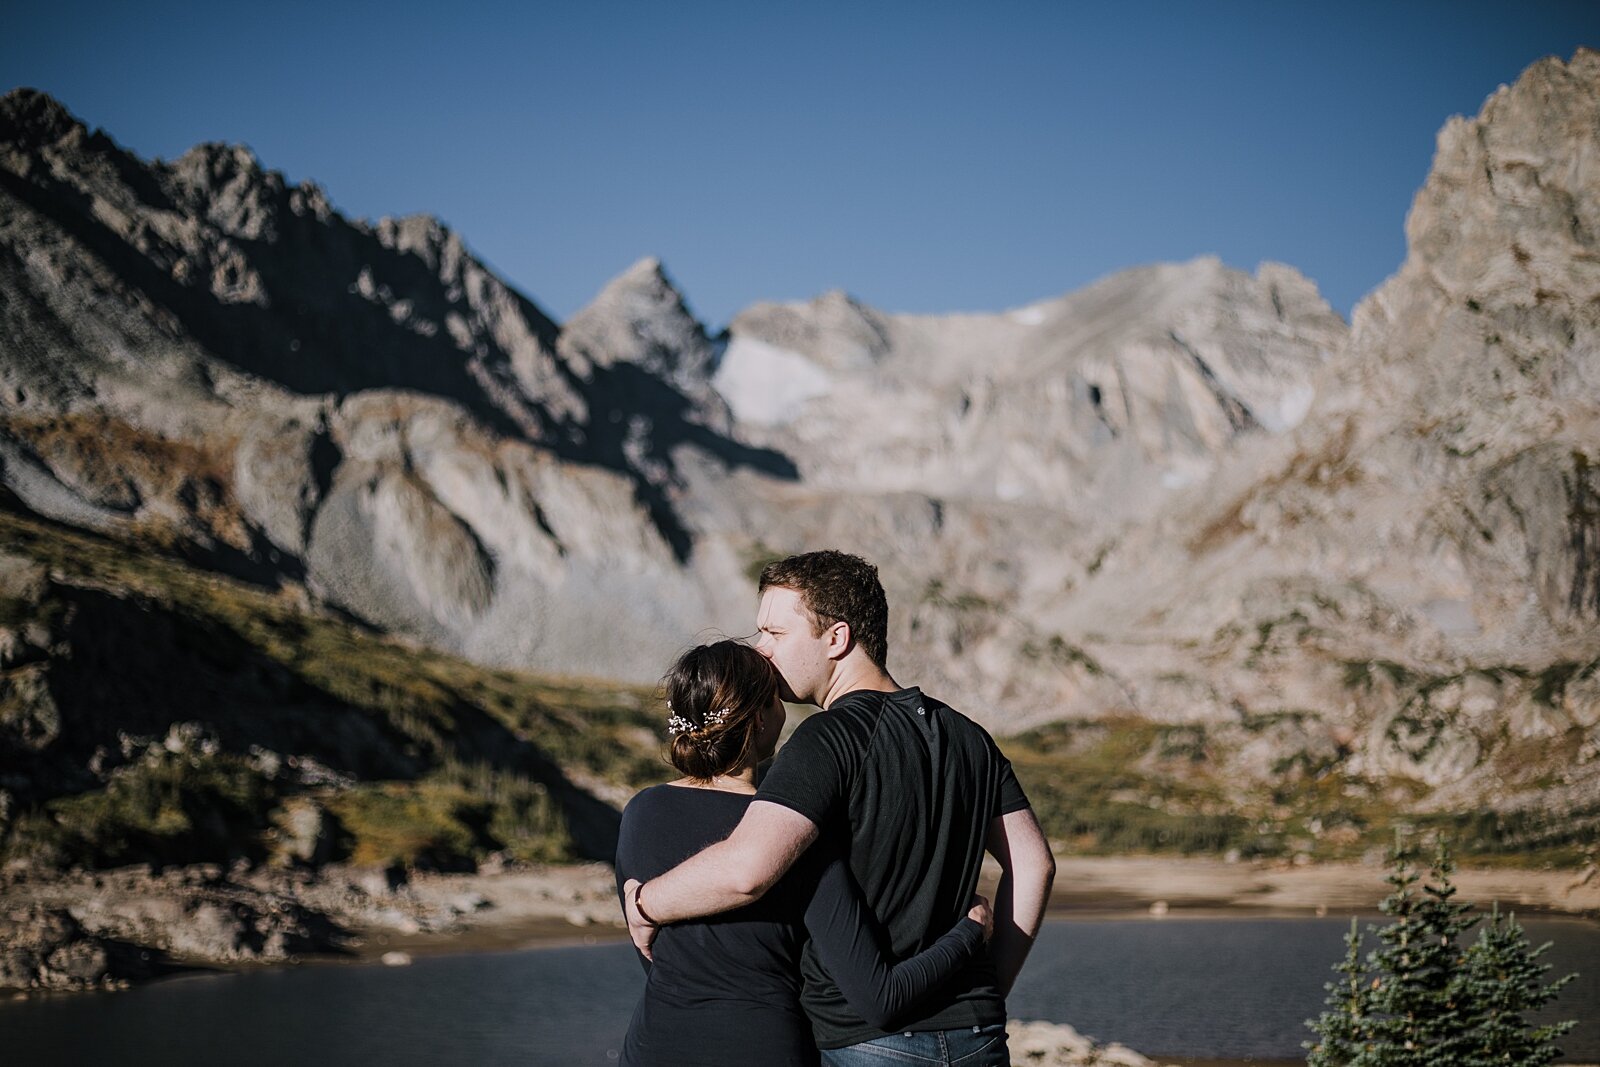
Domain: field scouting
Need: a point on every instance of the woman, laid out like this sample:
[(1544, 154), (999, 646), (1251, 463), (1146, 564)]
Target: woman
[(725, 990)]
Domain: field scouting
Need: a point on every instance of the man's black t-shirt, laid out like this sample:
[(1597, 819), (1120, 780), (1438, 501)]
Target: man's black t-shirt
[(912, 786)]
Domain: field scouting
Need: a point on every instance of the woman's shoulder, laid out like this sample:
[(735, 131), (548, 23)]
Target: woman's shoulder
[(672, 796), (669, 823), (648, 798)]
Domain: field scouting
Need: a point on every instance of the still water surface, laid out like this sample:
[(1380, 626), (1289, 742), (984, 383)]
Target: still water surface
[(1231, 988)]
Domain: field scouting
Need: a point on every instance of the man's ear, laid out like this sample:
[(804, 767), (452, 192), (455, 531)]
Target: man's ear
[(840, 640)]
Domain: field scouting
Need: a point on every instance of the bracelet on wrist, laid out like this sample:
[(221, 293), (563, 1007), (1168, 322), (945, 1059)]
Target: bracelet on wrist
[(638, 906)]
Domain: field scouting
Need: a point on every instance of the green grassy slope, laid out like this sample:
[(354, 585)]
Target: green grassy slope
[(409, 755)]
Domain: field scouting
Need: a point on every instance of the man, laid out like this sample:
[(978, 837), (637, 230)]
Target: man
[(913, 790)]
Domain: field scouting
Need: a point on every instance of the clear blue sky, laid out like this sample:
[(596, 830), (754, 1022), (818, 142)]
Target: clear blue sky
[(922, 156)]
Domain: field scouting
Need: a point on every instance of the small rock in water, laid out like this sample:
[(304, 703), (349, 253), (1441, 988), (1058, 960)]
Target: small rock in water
[(397, 959), (1158, 908)]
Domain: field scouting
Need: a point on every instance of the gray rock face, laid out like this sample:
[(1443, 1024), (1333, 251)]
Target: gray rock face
[(1416, 558), (1092, 404)]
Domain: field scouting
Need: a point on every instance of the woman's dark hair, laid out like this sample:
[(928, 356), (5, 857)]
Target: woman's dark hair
[(714, 693)]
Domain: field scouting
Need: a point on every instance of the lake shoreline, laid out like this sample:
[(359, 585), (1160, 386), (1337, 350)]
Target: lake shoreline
[(376, 913), (1086, 888)]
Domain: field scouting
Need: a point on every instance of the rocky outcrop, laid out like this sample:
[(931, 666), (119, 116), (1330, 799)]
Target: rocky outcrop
[(48, 949), (1040, 1044), (124, 926)]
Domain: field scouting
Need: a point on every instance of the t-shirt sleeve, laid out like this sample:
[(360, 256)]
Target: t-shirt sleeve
[(812, 771), (854, 949), (1009, 797)]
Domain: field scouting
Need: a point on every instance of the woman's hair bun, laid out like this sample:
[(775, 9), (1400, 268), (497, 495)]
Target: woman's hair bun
[(714, 693)]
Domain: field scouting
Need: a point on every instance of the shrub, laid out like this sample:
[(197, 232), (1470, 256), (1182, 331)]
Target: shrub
[(168, 808)]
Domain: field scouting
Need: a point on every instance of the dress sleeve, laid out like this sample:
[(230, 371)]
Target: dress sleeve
[(855, 950), (630, 855)]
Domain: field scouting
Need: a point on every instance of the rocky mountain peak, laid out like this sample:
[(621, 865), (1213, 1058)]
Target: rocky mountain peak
[(641, 318), (1525, 155), (32, 119), (1150, 457), (648, 271), (834, 331), (1488, 329), (215, 163), (424, 236), (643, 287)]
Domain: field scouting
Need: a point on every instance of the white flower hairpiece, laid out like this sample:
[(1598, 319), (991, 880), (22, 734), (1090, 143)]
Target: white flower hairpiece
[(677, 724)]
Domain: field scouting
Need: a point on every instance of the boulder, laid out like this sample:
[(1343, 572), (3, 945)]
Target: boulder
[(1042, 1044)]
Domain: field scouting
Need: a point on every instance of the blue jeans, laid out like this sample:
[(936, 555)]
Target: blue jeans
[(975, 1046)]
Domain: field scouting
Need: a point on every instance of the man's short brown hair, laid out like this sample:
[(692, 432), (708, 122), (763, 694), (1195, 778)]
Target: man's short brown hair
[(837, 587)]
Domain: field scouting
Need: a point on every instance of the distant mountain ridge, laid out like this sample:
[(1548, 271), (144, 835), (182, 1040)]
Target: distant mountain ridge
[(371, 412), (1145, 377), (1185, 493)]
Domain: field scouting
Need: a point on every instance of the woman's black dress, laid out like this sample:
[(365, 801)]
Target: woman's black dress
[(725, 990)]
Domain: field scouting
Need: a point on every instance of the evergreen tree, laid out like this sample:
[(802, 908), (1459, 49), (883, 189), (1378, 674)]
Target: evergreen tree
[(1424, 997), (1341, 1028), (1418, 1017), (1504, 978)]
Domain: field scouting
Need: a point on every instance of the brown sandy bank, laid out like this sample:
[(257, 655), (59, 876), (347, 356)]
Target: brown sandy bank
[(1121, 884), (577, 905)]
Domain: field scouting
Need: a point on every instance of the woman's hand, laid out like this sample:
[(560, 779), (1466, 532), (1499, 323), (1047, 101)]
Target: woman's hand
[(982, 914)]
